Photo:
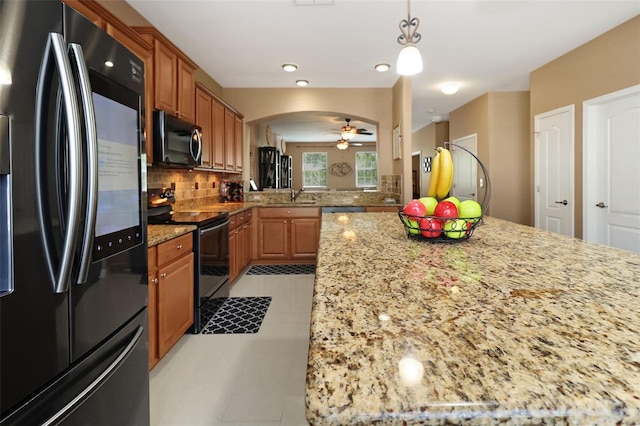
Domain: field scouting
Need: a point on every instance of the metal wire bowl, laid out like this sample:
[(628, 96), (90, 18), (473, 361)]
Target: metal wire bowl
[(460, 229)]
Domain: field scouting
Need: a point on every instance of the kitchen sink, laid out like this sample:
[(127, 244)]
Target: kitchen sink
[(343, 209)]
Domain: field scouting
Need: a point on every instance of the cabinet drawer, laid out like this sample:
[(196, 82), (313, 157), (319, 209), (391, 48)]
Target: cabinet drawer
[(236, 221), (270, 212), (152, 256), (174, 248)]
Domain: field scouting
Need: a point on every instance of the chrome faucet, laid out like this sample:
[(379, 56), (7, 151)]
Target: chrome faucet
[(295, 195)]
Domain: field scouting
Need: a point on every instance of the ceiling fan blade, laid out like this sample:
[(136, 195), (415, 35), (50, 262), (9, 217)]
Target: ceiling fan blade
[(363, 132)]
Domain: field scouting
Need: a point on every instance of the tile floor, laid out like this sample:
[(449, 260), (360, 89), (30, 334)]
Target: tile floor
[(241, 379)]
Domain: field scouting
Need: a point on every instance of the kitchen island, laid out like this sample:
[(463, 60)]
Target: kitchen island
[(513, 326)]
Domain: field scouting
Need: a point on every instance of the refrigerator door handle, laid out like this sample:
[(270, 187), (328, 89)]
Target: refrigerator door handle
[(86, 95), (56, 52), (93, 386), (6, 225)]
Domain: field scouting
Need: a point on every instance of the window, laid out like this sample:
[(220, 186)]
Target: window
[(314, 169), (366, 169)]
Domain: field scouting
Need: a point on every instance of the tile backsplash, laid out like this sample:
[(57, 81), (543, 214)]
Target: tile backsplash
[(189, 185), (200, 187)]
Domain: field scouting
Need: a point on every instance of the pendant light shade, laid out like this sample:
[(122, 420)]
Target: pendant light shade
[(409, 61)]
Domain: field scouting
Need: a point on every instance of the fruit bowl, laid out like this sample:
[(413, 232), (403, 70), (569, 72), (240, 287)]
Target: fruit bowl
[(441, 226), (439, 229)]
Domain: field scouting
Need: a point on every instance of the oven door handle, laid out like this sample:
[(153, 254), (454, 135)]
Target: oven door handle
[(214, 228)]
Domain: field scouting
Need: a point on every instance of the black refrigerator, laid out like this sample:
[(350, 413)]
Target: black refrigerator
[(73, 268)]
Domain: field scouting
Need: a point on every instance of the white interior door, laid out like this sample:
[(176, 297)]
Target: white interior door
[(465, 168), (554, 165), (612, 169)]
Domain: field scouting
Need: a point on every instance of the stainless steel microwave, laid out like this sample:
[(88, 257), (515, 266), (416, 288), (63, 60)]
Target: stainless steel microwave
[(176, 143)]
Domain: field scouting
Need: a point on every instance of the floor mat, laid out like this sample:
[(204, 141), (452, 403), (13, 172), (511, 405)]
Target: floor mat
[(281, 269), (235, 315)]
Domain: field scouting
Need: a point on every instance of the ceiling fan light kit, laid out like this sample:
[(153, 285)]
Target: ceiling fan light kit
[(382, 67), (342, 144), (409, 59)]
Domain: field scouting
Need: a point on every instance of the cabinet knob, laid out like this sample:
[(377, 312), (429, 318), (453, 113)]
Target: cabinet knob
[(179, 246), (284, 221), (164, 274), (177, 113), (154, 281)]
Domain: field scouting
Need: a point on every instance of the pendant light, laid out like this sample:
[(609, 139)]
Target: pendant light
[(410, 59)]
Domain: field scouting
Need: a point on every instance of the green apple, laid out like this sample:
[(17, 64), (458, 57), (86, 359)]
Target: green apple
[(455, 201), (470, 209), (456, 228), (430, 203), (412, 225)]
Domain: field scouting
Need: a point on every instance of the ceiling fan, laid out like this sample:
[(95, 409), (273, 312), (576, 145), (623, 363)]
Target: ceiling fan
[(348, 132)]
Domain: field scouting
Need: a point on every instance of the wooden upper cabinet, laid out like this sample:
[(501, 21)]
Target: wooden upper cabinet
[(218, 135), (174, 84), (204, 119), (166, 78), (229, 139), (238, 141), (186, 91)]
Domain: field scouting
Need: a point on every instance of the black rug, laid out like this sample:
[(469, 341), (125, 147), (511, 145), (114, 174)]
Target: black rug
[(282, 269), (234, 315)]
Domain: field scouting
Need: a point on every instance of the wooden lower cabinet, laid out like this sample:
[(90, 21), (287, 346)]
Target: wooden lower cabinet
[(171, 294), (288, 234), (239, 243)]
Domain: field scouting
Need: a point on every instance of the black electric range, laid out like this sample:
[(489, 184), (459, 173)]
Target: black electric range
[(198, 218)]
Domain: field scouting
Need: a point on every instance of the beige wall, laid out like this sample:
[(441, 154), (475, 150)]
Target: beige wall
[(334, 155), (402, 116), (425, 141), (501, 122), (606, 64), (258, 105)]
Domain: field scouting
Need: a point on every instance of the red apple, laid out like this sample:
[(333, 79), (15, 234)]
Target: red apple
[(414, 209), (446, 209), (430, 228)]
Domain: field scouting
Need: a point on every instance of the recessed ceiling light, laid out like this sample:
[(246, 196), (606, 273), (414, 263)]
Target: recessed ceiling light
[(289, 67), (302, 83), (449, 88), (383, 67)]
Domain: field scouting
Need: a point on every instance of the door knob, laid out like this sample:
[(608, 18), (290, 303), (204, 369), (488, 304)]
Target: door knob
[(563, 202), (601, 205)]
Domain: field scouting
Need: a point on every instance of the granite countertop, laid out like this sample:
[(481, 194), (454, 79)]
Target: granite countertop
[(157, 234), (514, 326)]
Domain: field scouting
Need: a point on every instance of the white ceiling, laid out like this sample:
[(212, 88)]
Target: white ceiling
[(483, 45)]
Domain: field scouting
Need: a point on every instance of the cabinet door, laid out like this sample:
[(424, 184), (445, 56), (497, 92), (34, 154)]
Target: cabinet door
[(204, 119), (152, 313), (175, 302), (233, 259), (218, 155), (305, 233), (239, 253), (166, 90), (273, 239), (238, 141), (186, 92), (247, 245), (229, 140)]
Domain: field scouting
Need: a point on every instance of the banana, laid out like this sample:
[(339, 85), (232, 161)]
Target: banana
[(435, 171), (445, 178)]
